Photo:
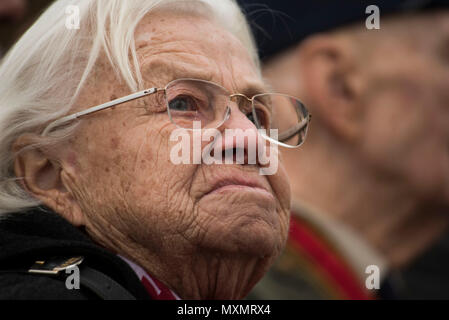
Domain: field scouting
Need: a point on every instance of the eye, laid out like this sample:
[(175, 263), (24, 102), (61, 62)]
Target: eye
[(183, 104)]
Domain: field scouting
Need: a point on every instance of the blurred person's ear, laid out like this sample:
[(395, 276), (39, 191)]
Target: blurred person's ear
[(331, 83)]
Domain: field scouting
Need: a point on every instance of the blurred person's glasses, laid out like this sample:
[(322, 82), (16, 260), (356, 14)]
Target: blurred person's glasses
[(199, 104)]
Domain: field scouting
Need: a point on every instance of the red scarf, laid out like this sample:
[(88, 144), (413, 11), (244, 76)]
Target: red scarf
[(156, 289)]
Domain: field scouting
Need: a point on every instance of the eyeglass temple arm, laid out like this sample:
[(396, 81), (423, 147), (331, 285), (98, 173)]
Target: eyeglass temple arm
[(103, 106), (294, 130)]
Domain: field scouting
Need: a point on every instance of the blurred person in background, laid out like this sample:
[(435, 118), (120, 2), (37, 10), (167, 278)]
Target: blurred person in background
[(12, 9), (15, 18), (371, 184)]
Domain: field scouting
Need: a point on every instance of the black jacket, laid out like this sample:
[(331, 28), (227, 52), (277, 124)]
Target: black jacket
[(40, 235)]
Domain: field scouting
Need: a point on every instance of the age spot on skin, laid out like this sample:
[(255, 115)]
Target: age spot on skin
[(72, 159), (117, 160), (115, 142)]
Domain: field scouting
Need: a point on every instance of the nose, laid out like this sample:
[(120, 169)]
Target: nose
[(240, 113), (240, 140)]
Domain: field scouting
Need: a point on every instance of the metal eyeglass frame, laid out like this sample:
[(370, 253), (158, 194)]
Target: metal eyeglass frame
[(289, 134)]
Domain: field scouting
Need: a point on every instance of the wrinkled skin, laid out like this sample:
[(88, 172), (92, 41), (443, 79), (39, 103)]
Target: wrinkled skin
[(135, 202)]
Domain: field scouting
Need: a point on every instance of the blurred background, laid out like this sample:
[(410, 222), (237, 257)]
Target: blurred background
[(15, 17)]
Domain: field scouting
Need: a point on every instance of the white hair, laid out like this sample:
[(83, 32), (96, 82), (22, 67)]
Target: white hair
[(43, 74)]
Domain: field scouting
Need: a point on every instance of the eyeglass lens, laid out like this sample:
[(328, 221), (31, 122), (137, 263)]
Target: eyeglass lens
[(196, 102)]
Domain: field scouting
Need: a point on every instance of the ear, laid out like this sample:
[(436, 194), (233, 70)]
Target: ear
[(331, 83), (45, 179)]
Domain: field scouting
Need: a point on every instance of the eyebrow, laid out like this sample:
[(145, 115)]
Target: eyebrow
[(175, 70), (180, 70), (253, 89)]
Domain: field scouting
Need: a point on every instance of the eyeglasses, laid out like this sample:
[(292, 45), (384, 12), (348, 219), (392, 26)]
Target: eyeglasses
[(194, 103)]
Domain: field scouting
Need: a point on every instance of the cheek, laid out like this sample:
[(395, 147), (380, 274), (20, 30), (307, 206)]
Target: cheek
[(427, 164), (406, 139), (131, 169), (281, 187), (154, 183), (391, 129)]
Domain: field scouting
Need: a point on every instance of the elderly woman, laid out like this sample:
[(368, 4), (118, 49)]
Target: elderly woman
[(87, 182)]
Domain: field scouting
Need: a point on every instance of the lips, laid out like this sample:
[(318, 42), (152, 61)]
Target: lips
[(236, 184)]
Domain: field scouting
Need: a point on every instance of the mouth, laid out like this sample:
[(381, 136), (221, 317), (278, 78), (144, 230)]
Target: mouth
[(239, 184)]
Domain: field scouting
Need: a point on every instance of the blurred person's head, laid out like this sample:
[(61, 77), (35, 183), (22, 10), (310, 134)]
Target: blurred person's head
[(383, 96), (12, 10), (16, 16), (377, 154)]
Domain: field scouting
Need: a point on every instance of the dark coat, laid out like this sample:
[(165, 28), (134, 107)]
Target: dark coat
[(40, 234)]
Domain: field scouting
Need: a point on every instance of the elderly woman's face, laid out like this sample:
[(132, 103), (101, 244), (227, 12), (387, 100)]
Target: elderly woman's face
[(132, 195)]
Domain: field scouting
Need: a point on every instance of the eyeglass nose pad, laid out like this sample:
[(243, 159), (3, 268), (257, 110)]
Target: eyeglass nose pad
[(226, 117), (228, 114)]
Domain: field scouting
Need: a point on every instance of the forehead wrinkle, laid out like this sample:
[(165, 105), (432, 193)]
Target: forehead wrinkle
[(239, 83), (246, 83), (248, 86), (168, 69), (165, 62), (172, 57)]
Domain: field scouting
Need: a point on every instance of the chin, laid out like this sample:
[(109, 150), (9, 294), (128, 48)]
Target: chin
[(260, 242), (244, 225), (250, 238)]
